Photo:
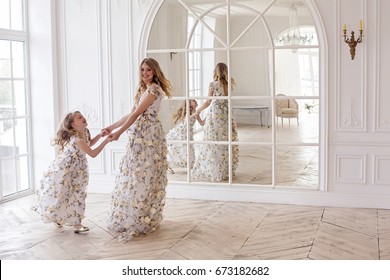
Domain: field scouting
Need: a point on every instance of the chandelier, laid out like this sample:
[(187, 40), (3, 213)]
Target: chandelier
[(293, 36)]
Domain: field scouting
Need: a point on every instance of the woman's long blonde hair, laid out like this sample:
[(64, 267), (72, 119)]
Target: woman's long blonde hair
[(66, 131), (180, 114), (221, 75), (158, 78)]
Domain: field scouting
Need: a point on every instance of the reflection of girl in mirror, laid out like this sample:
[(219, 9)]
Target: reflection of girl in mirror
[(212, 162), (177, 152)]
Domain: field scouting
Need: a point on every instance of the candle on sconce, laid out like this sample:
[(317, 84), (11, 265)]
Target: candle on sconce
[(361, 25), (345, 27)]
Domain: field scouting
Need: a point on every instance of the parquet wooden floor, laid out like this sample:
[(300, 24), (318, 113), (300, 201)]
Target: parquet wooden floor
[(194, 229)]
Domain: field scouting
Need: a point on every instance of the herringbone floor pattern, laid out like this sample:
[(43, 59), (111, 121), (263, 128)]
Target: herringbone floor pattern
[(194, 229)]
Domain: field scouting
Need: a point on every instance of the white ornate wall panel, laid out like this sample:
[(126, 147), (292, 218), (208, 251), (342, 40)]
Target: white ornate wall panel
[(116, 155), (381, 170), (350, 168), (383, 62), (82, 59), (120, 90)]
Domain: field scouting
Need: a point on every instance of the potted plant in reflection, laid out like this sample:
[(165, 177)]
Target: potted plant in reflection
[(309, 107)]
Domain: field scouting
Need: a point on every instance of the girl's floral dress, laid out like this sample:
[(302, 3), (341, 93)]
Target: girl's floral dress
[(177, 152), (212, 160), (138, 199), (63, 188)]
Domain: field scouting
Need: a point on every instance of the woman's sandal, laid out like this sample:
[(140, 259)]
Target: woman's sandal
[(171, 170), (81, 229)]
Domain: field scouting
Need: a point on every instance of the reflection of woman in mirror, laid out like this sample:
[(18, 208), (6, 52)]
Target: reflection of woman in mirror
[(212, 162), (177, 152)]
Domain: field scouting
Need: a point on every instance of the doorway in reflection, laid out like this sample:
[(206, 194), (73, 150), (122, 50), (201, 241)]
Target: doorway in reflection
[(189, 37)]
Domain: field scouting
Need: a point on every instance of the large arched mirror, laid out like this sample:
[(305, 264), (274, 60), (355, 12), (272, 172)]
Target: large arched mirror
[(272, 53)]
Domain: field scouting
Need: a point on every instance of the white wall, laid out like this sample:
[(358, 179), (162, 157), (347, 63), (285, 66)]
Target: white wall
[(43, 83), (102, 42)]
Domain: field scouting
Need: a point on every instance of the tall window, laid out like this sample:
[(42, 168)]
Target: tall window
[(194, 58), (15, 155)]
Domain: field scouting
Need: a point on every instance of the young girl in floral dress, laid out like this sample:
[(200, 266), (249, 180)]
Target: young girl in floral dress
[(138, 199), (63, 189), (177, 152)]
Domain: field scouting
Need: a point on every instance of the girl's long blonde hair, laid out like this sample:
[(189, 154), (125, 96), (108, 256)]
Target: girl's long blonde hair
[(66, 131), (180, 114), (221, 75), (158, 78)]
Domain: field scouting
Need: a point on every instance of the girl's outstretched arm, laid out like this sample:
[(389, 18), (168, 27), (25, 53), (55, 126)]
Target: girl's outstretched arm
[(103, 133), (206, 103), (88, 150), (196, 115), (199, 119)]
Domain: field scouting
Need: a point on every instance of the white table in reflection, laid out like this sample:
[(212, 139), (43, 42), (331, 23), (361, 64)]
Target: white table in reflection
[(261, 109)]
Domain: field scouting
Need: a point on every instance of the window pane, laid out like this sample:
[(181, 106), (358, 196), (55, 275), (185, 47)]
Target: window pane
[(5, 99), (20, 98), (254, 165), (6, 138), (17, 15), (253, 119), (301, 78), (18, 59), (5, 59), (8, 174), (297, 166), (177, 161), (212, 163), (23, 173), (21, 136), (297, 120), (251, 71), (4, 14)]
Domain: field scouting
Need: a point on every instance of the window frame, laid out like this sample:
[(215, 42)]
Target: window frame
[(11, 36)]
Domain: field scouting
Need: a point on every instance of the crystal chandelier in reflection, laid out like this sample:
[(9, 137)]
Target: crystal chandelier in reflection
[(293, 36)]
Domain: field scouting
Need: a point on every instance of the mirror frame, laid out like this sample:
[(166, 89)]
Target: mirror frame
[(323, 78)]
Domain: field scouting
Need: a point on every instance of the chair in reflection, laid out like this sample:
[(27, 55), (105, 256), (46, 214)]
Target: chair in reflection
[(286, 108)]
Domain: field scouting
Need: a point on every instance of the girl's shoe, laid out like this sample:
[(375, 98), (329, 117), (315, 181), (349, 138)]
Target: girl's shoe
[(80, 229), (58, 225)]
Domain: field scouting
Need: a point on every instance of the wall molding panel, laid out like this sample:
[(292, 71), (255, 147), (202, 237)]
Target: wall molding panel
[(381, 170), (382, 60), (115, 155), (82, 68), (350, 169)]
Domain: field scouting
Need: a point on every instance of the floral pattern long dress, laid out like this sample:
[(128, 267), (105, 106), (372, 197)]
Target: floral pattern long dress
[(138, 199), (63, 188), (212, 161), (177, 152)]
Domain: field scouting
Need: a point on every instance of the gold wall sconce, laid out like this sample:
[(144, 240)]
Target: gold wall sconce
[(352, 42)]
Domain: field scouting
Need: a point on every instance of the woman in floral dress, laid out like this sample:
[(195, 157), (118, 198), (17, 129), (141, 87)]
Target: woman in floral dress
[(138, 199), (177, 152), (212, 161), (63, 190)]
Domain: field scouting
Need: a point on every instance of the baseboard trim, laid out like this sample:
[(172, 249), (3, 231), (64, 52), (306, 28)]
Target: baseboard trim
[(266, 195)]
